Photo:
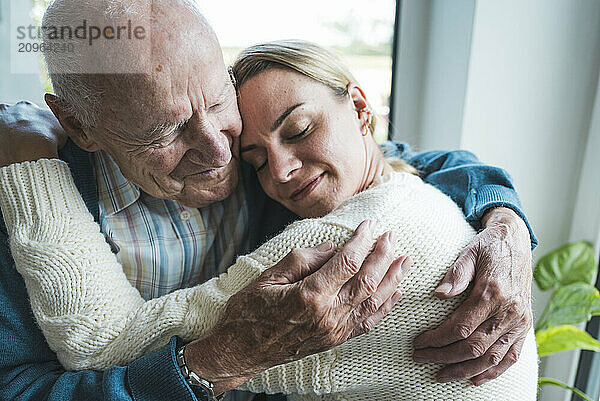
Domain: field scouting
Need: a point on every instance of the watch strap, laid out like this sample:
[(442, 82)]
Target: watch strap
[(194, 380)]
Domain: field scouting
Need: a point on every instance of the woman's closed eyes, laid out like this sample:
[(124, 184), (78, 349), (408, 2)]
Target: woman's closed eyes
[(302, 134)]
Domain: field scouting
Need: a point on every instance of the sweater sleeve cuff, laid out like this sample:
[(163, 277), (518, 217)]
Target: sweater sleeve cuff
[(156, 377), (482, 199), (40, 188)]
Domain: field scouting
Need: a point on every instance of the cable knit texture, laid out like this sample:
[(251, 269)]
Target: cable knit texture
[(93, 318)]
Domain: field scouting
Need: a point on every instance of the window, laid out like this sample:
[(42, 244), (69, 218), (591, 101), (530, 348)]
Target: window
[(37, 12), (588, 371), (362, 33)]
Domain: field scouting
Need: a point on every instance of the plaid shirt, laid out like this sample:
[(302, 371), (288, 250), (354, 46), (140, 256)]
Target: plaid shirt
[(162, 245)]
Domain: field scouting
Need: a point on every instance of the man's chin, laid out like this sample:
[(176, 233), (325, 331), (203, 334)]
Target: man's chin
[(204, 189)]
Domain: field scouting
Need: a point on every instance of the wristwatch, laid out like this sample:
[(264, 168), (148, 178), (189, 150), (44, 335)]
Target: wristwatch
[(194, 380)]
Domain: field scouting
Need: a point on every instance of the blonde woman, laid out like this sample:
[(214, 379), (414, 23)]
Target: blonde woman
[(307, 133)]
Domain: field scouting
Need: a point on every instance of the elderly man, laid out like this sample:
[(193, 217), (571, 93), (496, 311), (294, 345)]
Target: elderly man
[(155, 158)]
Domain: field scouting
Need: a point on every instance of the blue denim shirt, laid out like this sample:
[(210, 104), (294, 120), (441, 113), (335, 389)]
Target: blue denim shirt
[(29, 370)]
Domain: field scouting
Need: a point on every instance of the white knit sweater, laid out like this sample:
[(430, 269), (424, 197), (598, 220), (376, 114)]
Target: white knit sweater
[(93, 318)]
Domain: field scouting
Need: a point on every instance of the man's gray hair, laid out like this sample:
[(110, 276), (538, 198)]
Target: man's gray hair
[(79, 92)]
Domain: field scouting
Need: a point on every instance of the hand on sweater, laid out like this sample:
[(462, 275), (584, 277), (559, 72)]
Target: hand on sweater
[(28, 133), (484, 336), (311, 301)]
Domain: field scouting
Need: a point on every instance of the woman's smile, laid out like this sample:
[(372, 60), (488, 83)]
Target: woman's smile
[(307, 188)]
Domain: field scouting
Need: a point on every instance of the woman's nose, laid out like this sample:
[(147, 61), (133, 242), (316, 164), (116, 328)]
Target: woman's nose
[(282, 165)]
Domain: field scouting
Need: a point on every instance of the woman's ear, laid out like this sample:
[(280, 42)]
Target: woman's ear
[(71, 125), (359, 100)]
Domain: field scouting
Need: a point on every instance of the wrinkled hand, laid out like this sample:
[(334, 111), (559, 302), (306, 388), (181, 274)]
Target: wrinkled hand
[(485, 335), (28, 133), (311, 301)]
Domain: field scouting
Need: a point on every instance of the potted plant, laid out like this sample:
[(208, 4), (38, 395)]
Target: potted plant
[(570, 272)]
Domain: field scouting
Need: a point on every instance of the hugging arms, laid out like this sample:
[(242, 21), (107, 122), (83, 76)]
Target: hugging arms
[(436, 167), (106, 300)]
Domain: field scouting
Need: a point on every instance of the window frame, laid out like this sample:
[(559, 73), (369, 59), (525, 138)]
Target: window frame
[(395, 55), (588, 370)]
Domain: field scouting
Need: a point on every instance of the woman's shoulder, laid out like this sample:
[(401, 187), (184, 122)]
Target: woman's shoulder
[(401, 202), (395, 180), (391, 189), (394, 192)]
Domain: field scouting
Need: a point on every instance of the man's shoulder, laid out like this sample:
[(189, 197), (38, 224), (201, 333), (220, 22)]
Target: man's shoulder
[(75, 157), (3, 232), (82, 170)]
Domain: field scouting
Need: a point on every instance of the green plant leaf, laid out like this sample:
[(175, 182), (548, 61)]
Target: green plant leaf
[(596, 308), (571, 263), (572, 304), (543, 381), (563, 338)]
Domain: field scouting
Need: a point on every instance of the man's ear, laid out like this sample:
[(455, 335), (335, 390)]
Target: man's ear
[(71, 125), (359, 99)]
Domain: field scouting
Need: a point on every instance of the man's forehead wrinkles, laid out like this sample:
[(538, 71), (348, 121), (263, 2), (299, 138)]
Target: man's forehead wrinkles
[(163, 124), (211, 97), (202, 96), (225, 90), (160, 128)]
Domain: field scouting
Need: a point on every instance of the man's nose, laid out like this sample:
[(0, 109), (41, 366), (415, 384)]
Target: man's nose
[(235, 125), (209, 147), (282, 165)]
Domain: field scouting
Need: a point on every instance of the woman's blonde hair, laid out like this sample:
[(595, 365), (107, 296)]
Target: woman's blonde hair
[(306, 58)]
